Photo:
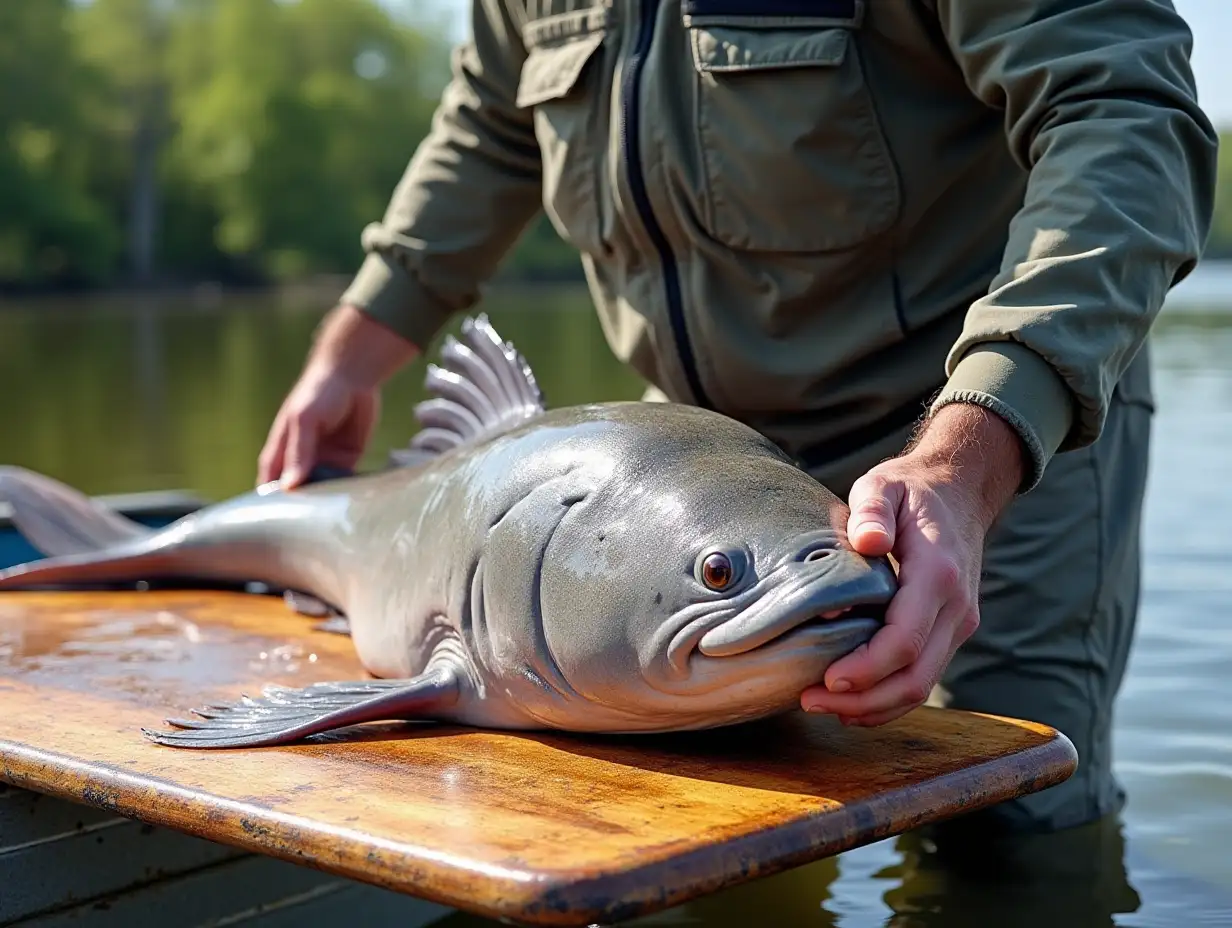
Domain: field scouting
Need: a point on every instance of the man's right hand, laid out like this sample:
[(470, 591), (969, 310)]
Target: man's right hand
[(331, 412), (324, 420)]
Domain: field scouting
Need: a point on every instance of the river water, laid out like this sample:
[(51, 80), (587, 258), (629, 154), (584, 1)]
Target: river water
[(120, 395)]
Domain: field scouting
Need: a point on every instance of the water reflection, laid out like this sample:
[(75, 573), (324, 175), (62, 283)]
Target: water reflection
[(117, 396), (171, 393), (1071, 878), (941, 879)]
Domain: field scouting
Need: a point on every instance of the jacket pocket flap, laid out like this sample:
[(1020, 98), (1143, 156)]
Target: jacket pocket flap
[(551, 71), (720, 49)]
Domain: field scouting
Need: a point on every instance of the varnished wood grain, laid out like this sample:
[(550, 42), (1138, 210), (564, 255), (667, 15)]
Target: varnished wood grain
[(546, 829)]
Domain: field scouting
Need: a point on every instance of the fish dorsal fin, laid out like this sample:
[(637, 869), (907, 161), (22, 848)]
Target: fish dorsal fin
[(482, 387)]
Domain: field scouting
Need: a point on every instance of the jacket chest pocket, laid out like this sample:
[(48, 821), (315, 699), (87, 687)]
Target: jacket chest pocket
[(794, 159), (560, 85)]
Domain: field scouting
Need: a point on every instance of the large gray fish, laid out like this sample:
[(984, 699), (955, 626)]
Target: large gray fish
[(617, 567)]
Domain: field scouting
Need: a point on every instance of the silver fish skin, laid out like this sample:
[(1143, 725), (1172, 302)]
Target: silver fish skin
[(613, 567)]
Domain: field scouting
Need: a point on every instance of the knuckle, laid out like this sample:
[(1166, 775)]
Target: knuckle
[(970, 624), (910, 646), (875, 506), (877, 482), (870, 487), (918, 690), (949, 576), (301, 413)]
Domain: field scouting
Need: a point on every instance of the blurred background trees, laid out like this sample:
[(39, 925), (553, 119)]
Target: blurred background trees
[(238, 141)]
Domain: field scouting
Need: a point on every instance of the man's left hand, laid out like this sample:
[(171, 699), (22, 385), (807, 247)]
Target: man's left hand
[(931, 509)]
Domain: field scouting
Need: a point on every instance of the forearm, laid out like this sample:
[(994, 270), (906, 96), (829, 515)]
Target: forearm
[(976, 453), (358, 348)]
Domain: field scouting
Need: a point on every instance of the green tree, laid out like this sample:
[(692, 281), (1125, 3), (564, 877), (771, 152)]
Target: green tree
[(51, 228), (233, 140), (295, 122), (126, 43)]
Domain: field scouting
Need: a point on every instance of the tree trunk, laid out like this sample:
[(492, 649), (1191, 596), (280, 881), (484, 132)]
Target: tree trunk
[(144, 203)]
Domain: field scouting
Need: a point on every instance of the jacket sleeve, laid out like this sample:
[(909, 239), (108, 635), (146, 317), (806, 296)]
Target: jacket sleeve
[(467, 194), (1100, 108)]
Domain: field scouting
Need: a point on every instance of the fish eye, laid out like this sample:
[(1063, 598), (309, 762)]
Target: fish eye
[(719, 570)]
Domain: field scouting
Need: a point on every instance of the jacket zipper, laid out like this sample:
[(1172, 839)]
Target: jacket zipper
[(632, 132)]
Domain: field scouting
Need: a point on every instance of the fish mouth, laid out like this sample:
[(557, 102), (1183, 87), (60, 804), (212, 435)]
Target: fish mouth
[(841, 601)]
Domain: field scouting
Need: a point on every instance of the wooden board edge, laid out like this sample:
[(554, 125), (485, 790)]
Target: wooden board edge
[(570, 900), (573, 897), (274, 834)]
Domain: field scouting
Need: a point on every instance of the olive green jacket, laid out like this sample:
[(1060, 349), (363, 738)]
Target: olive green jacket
[(823, 217)]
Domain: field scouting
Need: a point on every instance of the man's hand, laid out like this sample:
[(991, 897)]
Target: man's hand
[(325, 419), (331, 412), (931, 509)]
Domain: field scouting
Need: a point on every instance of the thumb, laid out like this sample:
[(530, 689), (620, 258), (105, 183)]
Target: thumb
[(301, 447), (874, 505)]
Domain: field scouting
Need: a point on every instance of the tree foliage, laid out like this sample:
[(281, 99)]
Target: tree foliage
[(53, 224), (228, 140), (233, 140)]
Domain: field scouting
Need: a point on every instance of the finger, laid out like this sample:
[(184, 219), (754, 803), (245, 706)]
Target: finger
[(874, 502), (927, 583), (879, 718), (269, 462), (900, 692), (874, 719), (301, 445)]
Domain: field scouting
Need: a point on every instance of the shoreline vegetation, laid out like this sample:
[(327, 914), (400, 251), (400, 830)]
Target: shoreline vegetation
[(201, 147)]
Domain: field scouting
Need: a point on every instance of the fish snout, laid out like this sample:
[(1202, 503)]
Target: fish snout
[(850, 579), (832, 593)]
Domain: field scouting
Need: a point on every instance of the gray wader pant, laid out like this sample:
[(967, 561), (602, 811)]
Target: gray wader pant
[(1058, 610)]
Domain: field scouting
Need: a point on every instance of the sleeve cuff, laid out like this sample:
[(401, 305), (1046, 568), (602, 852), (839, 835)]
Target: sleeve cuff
[(384, 291), (1018, 385)]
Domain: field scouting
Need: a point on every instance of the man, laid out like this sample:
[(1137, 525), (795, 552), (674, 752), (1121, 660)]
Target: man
[(831, 220)]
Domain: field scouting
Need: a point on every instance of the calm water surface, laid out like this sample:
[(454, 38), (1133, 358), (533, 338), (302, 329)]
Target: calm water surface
[(121, 396)]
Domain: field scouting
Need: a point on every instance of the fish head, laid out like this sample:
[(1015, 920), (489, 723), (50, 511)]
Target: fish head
[(706, 585)]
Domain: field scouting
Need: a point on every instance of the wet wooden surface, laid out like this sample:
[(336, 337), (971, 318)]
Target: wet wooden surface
[(541, 829)]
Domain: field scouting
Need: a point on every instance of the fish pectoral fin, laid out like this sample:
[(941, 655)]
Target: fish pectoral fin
[(482, 387), (283, 715)]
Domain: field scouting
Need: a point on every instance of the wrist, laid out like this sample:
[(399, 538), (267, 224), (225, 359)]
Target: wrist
[(975, 452), (354, 347)]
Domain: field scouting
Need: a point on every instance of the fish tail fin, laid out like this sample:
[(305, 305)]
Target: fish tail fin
[(60, 521), (284, 715), (482, 387)]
